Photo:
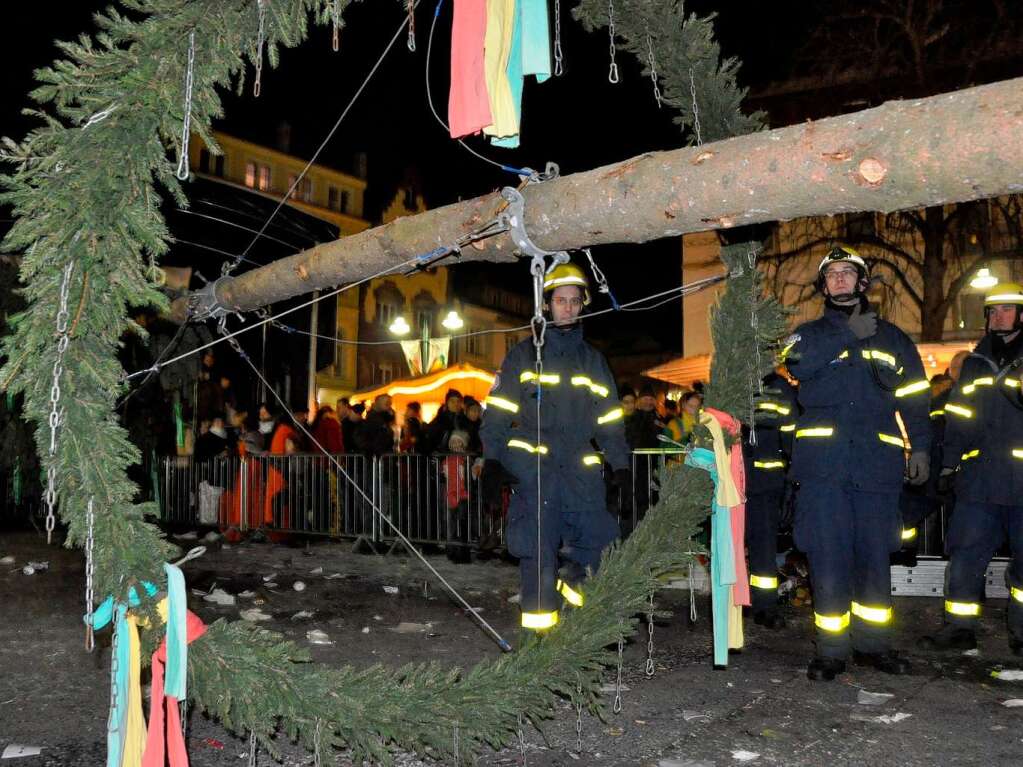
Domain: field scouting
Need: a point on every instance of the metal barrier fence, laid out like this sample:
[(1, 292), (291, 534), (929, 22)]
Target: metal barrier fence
[(431, 499)]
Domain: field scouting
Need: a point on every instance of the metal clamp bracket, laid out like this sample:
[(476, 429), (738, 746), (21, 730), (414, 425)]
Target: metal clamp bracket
[(513, 217)]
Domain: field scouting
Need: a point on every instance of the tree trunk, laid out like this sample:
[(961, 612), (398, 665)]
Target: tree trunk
[(904, 154), (934, 307)]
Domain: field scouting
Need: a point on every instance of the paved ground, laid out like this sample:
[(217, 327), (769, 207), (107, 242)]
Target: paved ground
[(54, 695)]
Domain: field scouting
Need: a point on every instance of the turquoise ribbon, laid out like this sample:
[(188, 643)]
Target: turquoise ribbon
[(102, 615), (175, 682), (722, 558)]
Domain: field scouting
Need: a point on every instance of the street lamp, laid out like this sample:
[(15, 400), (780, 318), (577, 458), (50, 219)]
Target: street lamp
[(983, 279), (452, 321), (400, 326)]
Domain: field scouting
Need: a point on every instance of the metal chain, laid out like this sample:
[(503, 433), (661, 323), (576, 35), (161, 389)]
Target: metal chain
[(650, 638), (692, 594), (559, 66), (411, 42), (539, 328), (112, 724), (579, 714), (612, 74), (182, 172), (756, 383), (261, 41), (617, 707), (653, 68), (522, 742), (56, 411), (252, 748), (90, 521), (316, 743), (335, 18), (455, 744), (696, 108), (183, 705)]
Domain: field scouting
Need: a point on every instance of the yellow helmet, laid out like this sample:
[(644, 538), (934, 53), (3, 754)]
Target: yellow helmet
[(1004, 293), (567, 274)]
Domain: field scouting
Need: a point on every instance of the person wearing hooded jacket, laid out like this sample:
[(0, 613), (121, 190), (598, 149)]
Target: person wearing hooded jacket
[(984, 457), (542, 425), (849, 458)]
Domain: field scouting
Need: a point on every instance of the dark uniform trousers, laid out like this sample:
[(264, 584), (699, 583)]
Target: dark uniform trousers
[(763, 512), (976, 532), (849, 565)]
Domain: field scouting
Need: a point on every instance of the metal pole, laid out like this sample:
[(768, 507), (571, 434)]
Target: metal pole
[(314, 319)]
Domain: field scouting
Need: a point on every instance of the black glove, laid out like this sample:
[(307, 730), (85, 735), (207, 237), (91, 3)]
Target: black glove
[(863, 324), (946, 481), (919, 467), (621, 478)]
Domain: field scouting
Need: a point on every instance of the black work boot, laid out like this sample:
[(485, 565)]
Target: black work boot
[(889, 662), (949, 638), (769, 619), (823, 669)]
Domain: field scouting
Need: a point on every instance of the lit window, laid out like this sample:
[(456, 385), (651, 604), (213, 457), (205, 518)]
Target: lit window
[(264, 178), (386, 313), (250, 175), (385, 373), (333, 198)]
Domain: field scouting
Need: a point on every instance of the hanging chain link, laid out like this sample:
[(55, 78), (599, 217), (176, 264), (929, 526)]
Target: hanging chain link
[(252, 748), (56, 410), (578, 714), (653, 68), (559, 58), (335, 20), (756, 382), (612, 74), (696, 108), (650, 638), (316, 743), (617, 707), (692, 594), (411, 42), (183, 705), (90, 521), (112, 724), (260, 42), (454, 737), (522, 742), (186, 129)]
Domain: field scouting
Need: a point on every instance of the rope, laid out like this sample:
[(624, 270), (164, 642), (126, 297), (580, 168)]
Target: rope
[(501, 642)]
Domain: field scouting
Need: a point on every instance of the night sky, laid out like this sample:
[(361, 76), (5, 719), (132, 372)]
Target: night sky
[(579, 120)]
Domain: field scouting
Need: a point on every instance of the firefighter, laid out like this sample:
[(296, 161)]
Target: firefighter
[(855, 371), (559, 505), (767, 459), (984, 455)]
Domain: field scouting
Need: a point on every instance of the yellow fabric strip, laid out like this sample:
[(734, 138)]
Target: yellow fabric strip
[(959, 410), (135, 723), (891, 440), (913, 388), (596, 388), (763, 581), (787, 427), (936, 413), (497, 43), (573, 597), (774, 407), (539, 621), (735, 637), (816, 431), (611, 415), (832, 623), (769, 464), (501, 402), (877, 615), (965, 609), (726, 494)]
